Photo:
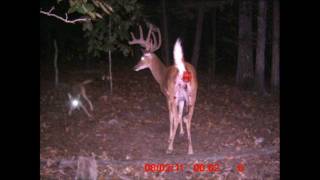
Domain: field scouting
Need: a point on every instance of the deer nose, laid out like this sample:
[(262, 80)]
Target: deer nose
[(136, 68)]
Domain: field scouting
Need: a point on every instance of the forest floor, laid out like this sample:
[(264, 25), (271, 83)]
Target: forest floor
[(235, 133)]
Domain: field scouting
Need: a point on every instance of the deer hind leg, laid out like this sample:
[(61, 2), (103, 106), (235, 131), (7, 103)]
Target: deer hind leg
[(171, 122), (187, 120), (175, 126), (85, 110), (180, 106), (84, 94)]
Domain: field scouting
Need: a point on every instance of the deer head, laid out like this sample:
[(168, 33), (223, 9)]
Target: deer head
[(149, 45)]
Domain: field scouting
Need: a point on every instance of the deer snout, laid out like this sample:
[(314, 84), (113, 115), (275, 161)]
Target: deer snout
[(136, 68), (141, 65)]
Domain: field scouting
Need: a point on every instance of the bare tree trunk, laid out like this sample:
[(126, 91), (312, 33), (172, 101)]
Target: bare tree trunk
[(261, 46), (214, 45), (275, 74), (197, 41), (165, 32), (55, 63), (110, 71), (110, 60), (244, 76)]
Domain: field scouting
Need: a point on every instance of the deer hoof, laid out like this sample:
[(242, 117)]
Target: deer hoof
[(185, 120), (169, 151), (181, 133)]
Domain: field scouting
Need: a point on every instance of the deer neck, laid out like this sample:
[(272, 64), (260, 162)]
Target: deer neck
[(158, 70)]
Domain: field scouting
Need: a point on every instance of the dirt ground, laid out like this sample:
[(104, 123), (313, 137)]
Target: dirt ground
[(233, 130)]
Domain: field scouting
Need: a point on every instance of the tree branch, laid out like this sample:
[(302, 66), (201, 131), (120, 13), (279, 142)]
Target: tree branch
[(66, 20)]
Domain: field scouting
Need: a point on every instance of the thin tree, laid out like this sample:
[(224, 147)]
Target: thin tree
[(165, 32), (275, 73), (261, 46), (212, 67), (197, 41), (110, 60), (244, 75), (55, 63)]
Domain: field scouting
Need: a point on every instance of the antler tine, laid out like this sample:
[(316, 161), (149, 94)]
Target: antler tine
[(140, 32), (159, 42), (139, 41), (155, 44), (133, 38), (148, 42)]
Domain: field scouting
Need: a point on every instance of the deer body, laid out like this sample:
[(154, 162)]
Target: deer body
[(180, 94)]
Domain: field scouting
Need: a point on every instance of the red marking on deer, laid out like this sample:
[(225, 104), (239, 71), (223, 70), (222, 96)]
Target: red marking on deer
[(186, 76)]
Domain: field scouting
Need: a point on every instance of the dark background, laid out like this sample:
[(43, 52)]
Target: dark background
[(181, 23)]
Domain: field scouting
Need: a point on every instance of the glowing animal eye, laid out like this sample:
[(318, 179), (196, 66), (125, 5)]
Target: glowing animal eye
[(75, 103)]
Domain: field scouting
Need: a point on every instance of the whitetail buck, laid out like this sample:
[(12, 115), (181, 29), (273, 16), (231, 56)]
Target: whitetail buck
[(177, 82)]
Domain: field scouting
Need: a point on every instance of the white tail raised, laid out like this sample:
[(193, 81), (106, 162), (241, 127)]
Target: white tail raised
[(178, 56), (178, 82)]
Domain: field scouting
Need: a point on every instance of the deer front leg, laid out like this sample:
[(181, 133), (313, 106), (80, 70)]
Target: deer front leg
[(70, 111), (85, 110)]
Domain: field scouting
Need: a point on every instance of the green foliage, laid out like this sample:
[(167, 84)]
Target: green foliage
[(90, 9), (122, 14), (126, 13), (81, 8)]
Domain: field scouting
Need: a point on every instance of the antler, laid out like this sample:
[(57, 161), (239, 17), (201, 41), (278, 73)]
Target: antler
[(150, 44)]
